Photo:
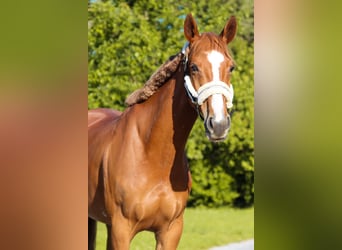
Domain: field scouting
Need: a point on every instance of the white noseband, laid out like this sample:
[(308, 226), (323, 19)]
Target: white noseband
[(209, 89)]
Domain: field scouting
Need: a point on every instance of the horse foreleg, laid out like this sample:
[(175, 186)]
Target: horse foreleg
[(91, 234), (168, 239), (118, 237)]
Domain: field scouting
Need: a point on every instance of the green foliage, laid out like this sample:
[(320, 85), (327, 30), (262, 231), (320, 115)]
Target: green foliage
[(129, 40)]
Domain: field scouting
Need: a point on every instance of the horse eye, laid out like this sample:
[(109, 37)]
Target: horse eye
[(194, 68), (231, 69)]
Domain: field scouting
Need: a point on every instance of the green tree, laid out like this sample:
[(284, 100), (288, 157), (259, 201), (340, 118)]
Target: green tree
[(129, 40)]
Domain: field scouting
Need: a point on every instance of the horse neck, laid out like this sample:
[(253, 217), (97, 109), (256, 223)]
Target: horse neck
[(170, 116)]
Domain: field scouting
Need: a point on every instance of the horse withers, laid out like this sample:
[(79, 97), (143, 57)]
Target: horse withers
[(138, 175)]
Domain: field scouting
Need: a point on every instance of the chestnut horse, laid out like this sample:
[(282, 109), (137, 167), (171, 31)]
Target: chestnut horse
[(139, 177)]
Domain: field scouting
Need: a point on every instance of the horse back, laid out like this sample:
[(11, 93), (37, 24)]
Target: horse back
[(101, 115), (101, 123)]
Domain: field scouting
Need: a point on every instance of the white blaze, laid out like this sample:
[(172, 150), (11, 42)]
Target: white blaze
[(216, 58)]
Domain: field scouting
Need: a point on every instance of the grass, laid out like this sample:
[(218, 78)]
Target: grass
[(203, 228)]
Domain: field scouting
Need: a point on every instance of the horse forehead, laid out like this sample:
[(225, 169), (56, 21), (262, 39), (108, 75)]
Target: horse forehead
[(215, 57), (211, 60), (210, 55)]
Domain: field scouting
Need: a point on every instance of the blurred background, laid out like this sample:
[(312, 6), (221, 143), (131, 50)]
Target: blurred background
[(44, 102)]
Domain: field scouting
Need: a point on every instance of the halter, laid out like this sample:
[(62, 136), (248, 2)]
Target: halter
[(206, 90)]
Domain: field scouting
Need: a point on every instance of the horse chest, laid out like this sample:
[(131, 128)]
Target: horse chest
[(154, 206)]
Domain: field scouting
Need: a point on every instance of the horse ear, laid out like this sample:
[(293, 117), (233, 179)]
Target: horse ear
[(229, 31), (190, 28)]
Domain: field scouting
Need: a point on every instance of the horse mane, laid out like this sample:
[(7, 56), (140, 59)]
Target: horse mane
[(158, 78)]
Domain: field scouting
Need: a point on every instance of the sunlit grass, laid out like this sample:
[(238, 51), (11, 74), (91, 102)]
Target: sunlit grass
[(203, 228)]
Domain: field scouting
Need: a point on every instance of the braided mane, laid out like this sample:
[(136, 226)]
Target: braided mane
[(159, 77)]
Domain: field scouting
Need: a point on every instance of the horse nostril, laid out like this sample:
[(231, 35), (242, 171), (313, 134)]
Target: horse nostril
[(210, 123)]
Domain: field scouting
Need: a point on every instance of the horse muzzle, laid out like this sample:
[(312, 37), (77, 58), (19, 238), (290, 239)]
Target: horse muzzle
[(217, 130)]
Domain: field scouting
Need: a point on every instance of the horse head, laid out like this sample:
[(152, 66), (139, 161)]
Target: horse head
[(208, 71)]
